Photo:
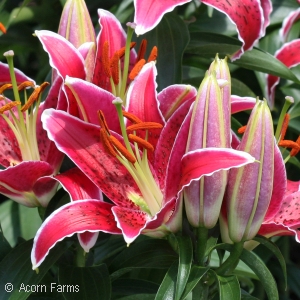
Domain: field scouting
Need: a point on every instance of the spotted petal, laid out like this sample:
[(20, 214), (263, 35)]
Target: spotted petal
[(74, 217)]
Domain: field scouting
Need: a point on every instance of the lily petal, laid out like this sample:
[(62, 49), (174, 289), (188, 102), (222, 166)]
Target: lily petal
[(207, 161), (245, 15), (148, 13), (287, 24), (241, 103), (64, 57), (284, 54), (74, 217)]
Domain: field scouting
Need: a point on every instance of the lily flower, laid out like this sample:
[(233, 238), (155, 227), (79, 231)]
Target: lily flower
[(247, 205), (26, 154)]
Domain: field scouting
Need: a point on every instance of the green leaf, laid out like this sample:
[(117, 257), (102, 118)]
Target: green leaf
[(207, 44), (195, 276), (149, 253), (185, 247), (276, 251), (168, 285), (84, 283), (229, 287), (16, 269), (171, 37), (4, 245), (247, 296)]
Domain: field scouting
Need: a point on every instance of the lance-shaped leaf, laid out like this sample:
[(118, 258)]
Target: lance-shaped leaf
[(249, 190), (148, 13), (250, 18), (288, 54)]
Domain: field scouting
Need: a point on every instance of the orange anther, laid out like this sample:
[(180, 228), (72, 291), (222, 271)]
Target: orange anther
[(102, 121), (2, 28), (105, 59), (107, 145), (136, 69), (122, 149), (153, 54), (289, 144), (9, 106), (131, 117), (141, 142), (242, 129), (25, 85), (144, 125), (294, 150), (5, 87), (114, 64), (121, 52), (34, 96), (142, 50), (284, 127)]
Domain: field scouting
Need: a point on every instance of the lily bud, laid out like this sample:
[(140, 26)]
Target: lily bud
[(208, 128), (249, 188), (76, 24)]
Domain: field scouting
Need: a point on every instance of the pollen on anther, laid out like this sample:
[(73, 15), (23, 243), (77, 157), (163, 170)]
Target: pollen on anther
[(122, 149), (136, 69), (105, 59), (104, 139), (141, 142), (294, 150), (121, 52), (114, 64), (284, 126), (142, 50), (242, 129), (153, 54), (9, 106), (2, 28), (5, 87), (144, 126), (25, 85), (131, 117), (289, 144), (102, 121)]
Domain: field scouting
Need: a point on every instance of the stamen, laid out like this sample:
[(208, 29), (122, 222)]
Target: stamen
[(105, 59), (136, 69), (102, 121), (242, 129), (2, 28), (153, 54), (25, 85), (144, 125), (289, 144), (141, 142), (34, 96), (284, 127), (142, 50), (5, 87), (114, 64), (122, 149), (121, 52), (9, 106), (131, 117), (295, 151), (104, 139)]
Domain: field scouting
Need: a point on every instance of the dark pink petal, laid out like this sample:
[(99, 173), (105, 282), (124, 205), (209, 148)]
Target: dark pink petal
[(44, 189), (148, 13), (288, 54), (279, 185), (173, 96), (287, 24), (130, 221), (74, 217), (18, 182), (248, 18), (90, 98), (87, 239), (198, 163), (267, 8), (241, 103), (81, 142), (64, 57), (272, 229), (166, 142), (78, 185), (5, 75), (112, 32), (292, 187)]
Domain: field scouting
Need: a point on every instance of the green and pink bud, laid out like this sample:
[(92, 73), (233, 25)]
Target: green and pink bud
[(249, 188)]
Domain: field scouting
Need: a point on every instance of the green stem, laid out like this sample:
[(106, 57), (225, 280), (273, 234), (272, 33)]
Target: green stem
[(202, 234), (288, 102), (80, 257), (231, 262)]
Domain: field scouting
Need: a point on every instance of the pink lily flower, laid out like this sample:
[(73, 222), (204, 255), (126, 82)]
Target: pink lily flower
[(250, 17), (27, 156)]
